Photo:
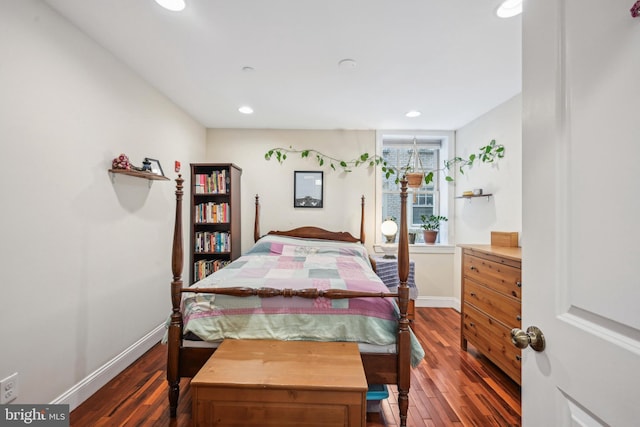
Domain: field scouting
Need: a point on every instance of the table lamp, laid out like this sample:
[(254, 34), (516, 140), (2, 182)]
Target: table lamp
[(389, 229)]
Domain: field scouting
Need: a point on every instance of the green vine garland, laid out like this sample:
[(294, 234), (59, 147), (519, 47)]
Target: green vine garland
[(486, 154)]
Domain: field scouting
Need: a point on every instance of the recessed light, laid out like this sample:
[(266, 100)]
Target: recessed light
[(245, 109), (173, 5), (347, 63), (413, 113), (509, 8)]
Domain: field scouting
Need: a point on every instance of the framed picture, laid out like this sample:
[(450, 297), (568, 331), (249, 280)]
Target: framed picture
[(155, 166), (307, 189)]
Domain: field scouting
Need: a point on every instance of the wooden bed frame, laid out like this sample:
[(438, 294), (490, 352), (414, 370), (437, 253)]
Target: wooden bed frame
[(379, 368)]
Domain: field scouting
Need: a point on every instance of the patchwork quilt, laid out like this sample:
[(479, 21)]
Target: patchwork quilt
[(290, 263)]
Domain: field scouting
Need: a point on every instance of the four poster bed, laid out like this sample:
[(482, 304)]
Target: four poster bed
[(302, 284)]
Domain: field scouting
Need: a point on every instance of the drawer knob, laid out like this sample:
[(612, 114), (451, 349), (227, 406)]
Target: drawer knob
[(533, 337), (472, 324), (518, 357), (473, 268), (519, 284), (518, 318), (473, 294)]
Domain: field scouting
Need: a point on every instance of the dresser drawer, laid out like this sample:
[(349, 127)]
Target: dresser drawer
[(492, 339), (499, 276), (501, 307)]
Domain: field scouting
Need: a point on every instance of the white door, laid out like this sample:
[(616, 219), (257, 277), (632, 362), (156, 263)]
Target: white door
[(581, 212)]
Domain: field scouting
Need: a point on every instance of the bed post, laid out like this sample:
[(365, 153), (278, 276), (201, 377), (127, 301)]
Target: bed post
[(404, 337), (175, 325), (256, 221), (362, 236)]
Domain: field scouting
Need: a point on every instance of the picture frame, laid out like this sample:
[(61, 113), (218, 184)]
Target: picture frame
[(308, 191), (156, 168)]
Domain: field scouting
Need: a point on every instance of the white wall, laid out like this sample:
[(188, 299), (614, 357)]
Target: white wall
[(273, 182), (476, 218), (85, 261)]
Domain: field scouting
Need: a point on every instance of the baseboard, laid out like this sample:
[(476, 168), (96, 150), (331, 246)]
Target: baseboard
[(438, 302), (101, 376)]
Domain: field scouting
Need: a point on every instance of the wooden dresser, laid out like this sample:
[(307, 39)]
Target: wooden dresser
[(491, 303)]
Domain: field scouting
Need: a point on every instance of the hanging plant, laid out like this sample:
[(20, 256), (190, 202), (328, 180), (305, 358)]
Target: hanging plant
[(414, 174), (488, 154)]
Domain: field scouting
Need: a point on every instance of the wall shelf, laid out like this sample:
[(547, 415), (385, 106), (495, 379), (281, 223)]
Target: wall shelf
[(146, 175), (474, 196)]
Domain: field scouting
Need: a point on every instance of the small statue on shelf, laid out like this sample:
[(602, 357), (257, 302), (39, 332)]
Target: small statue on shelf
[(146, 165)]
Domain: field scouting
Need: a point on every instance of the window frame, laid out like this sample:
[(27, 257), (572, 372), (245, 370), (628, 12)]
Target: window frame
[(444, 196)]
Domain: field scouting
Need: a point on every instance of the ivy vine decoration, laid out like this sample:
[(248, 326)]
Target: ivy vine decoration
[(487, 154), (490, 153)]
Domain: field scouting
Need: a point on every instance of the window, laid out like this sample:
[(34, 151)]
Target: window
[(396, 149)]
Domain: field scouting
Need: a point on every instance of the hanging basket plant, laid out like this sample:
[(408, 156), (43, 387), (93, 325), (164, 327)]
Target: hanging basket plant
[(414, 171), (414, 179)]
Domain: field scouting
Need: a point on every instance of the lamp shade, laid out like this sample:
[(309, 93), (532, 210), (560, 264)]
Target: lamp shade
[(389, 229)]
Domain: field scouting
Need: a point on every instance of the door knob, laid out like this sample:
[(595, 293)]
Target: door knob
[(533, 337)]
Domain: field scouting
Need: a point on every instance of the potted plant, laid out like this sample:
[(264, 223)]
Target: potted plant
[(431, 226), (413, 171)]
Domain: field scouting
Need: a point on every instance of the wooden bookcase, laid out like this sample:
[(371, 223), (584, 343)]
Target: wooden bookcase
[(215, 217)]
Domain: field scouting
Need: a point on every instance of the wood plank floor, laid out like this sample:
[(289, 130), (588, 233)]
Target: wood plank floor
[(449, 388)]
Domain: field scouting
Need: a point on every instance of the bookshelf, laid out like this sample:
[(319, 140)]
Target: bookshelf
[(215, 217)]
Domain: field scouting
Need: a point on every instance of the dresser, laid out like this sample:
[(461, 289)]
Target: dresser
[(491, 303)]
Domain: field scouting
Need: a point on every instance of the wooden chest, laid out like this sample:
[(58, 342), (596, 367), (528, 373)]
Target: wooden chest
[(281, 383), (491, 303)]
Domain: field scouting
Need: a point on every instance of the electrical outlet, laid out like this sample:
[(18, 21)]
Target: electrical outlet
[(9, 388)]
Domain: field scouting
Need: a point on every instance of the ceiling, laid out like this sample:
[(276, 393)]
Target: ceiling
[(453, 60)]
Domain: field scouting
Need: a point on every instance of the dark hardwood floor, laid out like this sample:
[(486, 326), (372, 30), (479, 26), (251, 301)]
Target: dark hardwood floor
[(449, 388)]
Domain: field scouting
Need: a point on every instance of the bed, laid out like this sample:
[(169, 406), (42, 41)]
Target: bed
[(321, 282)]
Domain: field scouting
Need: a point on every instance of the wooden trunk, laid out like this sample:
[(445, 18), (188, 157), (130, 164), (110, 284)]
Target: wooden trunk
[(281, 383)]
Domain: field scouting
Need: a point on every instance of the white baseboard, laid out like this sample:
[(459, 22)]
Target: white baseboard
[(438, 302), (101, 376)]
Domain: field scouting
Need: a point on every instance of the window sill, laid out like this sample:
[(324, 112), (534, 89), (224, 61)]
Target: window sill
[(421, 248)]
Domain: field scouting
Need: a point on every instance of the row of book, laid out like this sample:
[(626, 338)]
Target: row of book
[(212, 212), (219, 241), (204, 267), (215, 183)]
